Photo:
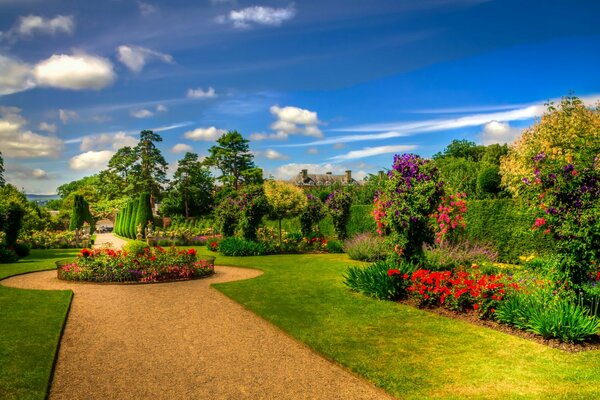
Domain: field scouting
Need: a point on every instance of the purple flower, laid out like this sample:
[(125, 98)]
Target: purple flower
[(539, 157), (525, 180)]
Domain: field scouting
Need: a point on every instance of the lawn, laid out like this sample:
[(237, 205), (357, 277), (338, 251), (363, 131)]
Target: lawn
[(30, 326), (408, 352)]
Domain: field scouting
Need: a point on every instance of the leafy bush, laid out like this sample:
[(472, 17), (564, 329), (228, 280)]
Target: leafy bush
[(22, 249), (164, 242), (254, 206), (447, 256), (7, 255), (489, 180), (136, 247), (381, 280), (365, 247), (338, 205), (333, 246), (213, 244), (312, 213), (239, 247)]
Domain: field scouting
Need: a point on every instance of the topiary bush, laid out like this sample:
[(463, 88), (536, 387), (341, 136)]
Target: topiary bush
[(489, 180), (136, 247)]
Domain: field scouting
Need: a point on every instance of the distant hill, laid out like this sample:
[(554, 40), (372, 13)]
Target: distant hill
[(42, 198)]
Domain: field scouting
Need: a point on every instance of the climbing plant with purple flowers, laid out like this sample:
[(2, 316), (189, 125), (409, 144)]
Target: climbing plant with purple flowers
[(408, 199)]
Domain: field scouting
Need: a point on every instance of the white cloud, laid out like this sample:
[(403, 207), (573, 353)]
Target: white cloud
[(146, 8), (91, 160), (258, 15), (338, 146), (205, 134), (32, 24), (45, 126), (372, 151), (312, 150), (271, 154), (106, 141), (20, 172), (18, 142), (161, 108), (181, 148), (288, 170), (67, 115), (294, 120), (15, 76), (141, 113), (201, 94), (498, 132), (79, 71), (135, 57)]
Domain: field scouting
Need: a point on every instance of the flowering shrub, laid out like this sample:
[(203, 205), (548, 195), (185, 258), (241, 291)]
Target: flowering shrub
[(228, 214), (311, 215), (408, 198), (50, 239), (449, 215), (338, 205), (253, 207), (152, 265), (380, 279)]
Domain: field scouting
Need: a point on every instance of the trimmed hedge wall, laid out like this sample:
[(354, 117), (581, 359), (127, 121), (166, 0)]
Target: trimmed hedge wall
[(506, 225)]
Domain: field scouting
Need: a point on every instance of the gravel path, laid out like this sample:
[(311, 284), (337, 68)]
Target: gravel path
[(182, 340), (103, 239)]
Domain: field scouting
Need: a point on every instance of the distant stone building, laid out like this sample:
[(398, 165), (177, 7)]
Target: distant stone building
[(304, 179)]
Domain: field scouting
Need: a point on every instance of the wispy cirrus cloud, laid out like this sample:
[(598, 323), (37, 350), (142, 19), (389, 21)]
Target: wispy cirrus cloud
[(258, 15), (372, 151)]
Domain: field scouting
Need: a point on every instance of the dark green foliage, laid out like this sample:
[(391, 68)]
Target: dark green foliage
[(22, 249), (311, 215), (335, 246), (254, 206), (191, 191), (488, 180), (7, 255), (151, 171), (459, 175), (228, 214), (77, 215), (505, 225), (462, 148), (132, 229), (144, 212), (13, 224), (239, 247), (233, 157), (338, 206), (2, 181), (375, 281)]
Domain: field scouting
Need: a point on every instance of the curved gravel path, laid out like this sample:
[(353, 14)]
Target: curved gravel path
[(182, 340), (109, 239)]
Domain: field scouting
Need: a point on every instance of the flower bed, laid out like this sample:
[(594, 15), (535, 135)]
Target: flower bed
[(152, 265)]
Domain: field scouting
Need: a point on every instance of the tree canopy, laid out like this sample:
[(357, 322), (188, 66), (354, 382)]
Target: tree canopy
[(2, 181), (232, 156)]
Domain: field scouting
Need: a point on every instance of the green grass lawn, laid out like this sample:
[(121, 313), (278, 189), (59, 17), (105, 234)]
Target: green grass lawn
[(30, 326), (408, 352)]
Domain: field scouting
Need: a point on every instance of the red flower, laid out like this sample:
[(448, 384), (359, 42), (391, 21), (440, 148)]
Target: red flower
[(392, 272), (192, 252), (475, 306), (86, 252)]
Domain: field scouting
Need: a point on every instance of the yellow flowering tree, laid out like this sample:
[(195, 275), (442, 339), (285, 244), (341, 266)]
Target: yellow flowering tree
[(285, 201)]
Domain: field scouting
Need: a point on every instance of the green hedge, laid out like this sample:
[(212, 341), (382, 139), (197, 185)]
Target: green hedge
[(506, 225), (361, 220)]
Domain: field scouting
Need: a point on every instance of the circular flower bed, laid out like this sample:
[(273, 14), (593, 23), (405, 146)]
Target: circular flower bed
[(151, 265)]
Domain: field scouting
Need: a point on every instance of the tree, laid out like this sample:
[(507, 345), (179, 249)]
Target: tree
[(462, 149), (232, 156), (554, 166), (338, 205), (285, 201), (192, 186), (81, 213), (151, 170), (253, 205), (2, 181), (313, 213), (144, 212)]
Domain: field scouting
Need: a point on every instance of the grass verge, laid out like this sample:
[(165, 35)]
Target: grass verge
[(31, 322), (408, 352)]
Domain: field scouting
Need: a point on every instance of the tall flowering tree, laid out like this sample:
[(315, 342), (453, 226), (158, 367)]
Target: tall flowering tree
[(558, 163), (404, 206)]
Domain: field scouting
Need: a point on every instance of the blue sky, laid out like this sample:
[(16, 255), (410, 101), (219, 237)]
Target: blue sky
[(325, 85)]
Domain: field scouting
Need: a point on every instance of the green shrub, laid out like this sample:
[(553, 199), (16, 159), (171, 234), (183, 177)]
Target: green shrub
[(312, 213), (365, 247), (334, 246), (22, 249), (376, 280), (447, 256), (239, 247), (551, 316), (7, 255), (164, 243), (506, 226), (488, 180), (144, 212), (136, 247), (338, 206)]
